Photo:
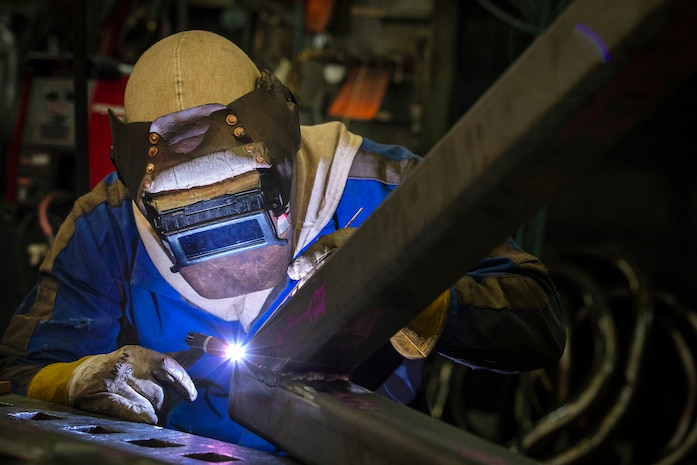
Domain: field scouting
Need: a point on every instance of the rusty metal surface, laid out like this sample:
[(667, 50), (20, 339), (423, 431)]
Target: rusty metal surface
[(596, 73), (36, 433)]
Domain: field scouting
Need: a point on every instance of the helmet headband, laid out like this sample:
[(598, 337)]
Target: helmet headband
[(259, 130)]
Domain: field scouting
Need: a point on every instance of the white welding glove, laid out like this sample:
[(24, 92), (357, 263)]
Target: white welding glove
[(306, 264), (129, 383)]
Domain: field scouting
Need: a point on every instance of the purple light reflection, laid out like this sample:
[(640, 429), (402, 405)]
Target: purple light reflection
[(596, 41)]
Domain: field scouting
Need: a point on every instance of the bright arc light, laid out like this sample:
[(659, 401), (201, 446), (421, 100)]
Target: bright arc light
[(234, 352)]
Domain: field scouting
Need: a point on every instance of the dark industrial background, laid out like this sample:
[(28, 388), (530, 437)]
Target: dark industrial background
[(623, 229)]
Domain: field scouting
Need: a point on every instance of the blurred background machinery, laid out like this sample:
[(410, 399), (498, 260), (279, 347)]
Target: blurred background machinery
[(618, 240)]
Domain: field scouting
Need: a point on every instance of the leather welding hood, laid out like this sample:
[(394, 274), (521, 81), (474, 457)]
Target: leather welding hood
[(206, 150), (257, 133)]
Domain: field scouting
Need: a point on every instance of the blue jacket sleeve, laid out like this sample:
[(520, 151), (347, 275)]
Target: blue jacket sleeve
[(76, 308), (505, 314)]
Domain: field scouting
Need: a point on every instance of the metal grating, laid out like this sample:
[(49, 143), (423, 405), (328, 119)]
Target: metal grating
[(35, 432)]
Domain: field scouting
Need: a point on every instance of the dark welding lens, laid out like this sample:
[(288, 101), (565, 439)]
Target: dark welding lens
[(216, 227), (245, 234), (212, 240)]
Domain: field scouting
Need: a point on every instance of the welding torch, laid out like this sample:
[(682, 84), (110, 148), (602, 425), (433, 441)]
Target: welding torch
[(214, 346)]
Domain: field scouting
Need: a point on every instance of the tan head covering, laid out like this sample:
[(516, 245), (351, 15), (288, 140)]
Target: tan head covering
[(185, 70)]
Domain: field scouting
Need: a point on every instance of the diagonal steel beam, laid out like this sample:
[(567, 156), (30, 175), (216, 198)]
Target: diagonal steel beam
[(337, 423), (596, 73)]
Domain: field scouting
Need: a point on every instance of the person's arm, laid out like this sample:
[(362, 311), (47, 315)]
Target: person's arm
[(62, 343), (77, 305), (505, 314)]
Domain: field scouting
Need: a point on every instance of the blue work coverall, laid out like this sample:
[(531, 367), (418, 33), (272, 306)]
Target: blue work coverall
[(99, 290)]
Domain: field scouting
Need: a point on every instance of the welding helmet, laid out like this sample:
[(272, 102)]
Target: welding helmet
[(206, 153)]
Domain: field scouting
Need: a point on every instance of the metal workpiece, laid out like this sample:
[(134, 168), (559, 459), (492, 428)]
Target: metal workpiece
[(571, 96), (336, 422), (34, 432), (574, 93)]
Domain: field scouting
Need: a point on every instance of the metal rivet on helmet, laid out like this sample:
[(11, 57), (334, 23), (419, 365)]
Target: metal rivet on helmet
[(152, 151), (150, 167), (231, 119), (239, 131), (154, 138)]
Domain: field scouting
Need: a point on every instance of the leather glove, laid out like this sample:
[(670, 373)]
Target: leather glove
[(418, 338), (415, 340), (129, 383), (306, 264)]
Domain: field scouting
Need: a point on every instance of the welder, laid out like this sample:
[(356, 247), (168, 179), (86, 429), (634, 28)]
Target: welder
[(221, 202)]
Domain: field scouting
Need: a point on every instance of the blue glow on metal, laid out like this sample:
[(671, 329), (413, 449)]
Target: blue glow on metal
[(596, 41)]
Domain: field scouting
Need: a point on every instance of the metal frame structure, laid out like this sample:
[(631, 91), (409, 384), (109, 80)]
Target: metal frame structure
[(574, 93), (42, 433), (597, 72)]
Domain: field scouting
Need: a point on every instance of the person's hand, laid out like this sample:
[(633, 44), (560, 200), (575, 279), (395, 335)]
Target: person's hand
[(306, 264), (418, 338), (129, 383)]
